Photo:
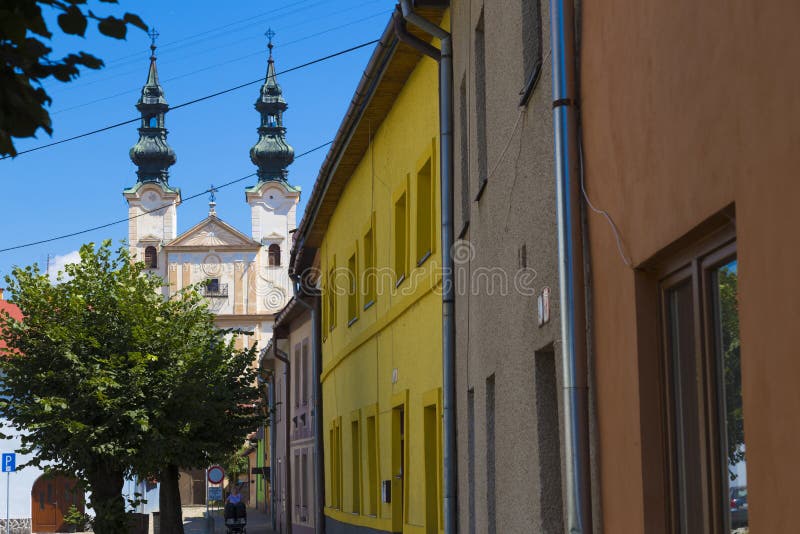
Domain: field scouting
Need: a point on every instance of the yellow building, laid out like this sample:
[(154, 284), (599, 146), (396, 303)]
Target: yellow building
[(372, 227)]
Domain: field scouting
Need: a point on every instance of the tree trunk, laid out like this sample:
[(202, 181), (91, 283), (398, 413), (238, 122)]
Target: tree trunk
[(169, 501), (107, 501)]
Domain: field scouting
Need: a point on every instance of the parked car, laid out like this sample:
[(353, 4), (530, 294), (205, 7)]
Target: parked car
[(738, 506)]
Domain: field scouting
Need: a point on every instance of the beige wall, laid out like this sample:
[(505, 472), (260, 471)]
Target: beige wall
[(689, 107)]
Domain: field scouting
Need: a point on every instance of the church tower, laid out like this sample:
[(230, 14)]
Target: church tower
[(151, 201), (273, 201)]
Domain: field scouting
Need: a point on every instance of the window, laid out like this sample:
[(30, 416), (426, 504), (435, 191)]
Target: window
[(370, 275), (274, 252), (272, 120), (464, 146), (352, 290), (306, 372), (491, 495), (424, 213), (355, 447), (151, 257), (298, 371), (213, 286), (531, 47), (152, 121), (304, 494), (400, 239), (700, 340), (372, 467), (480, 106), (332, 296)]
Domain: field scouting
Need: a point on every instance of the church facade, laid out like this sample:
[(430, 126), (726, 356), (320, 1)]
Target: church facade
[(244, 274)]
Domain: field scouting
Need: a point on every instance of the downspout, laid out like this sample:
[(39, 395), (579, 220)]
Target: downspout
[(282, 356), (445, 60), (570, 271), (272, 447), (316, 403)]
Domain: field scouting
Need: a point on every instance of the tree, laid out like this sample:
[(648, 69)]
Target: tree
[(26, 60), (209, 414), (106, 379)]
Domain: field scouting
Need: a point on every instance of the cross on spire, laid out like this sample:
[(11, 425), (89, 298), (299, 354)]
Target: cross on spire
[(212, 205), (270, 34), (153, 36)]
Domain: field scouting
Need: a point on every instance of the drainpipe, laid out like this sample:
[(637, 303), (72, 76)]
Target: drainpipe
[(570, 270), (272, 447), (316, 403), (282, 356), (445, 60)]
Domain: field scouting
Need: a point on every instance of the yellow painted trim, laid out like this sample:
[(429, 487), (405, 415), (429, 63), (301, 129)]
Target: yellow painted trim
[(395, 312), (359, 520)]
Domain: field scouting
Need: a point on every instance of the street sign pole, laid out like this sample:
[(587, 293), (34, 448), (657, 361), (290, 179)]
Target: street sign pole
[(8, 502)]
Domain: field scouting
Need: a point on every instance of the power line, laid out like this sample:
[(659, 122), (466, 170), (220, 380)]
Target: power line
[(126, 219), (225, 63), (194, 101), (93, 77)]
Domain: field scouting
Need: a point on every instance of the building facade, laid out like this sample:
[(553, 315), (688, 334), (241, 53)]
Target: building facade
[(696, 360), (244, 274), (294, 413), (508, 358), (372, 227)]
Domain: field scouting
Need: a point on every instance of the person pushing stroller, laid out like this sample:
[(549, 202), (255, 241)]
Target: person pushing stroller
[(235, 511)]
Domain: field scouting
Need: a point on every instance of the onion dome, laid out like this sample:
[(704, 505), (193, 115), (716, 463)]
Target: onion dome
[(272, 154), (151, 154)]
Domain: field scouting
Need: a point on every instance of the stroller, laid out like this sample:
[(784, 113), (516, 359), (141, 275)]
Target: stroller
[(236, 518)]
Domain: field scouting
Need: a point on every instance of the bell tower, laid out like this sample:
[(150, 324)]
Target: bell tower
[(273, 200), (151, 201)]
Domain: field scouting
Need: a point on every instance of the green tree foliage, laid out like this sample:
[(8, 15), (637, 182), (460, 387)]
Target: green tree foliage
[(107, 379), (727, 280), (26, 60)]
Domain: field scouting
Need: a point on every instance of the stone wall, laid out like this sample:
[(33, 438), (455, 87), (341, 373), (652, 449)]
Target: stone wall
[(18, 526)]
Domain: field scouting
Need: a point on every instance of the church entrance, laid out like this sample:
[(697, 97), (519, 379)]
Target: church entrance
[(51, 498)]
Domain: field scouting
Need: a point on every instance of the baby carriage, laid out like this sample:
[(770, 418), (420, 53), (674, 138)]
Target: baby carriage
[(236, 518)]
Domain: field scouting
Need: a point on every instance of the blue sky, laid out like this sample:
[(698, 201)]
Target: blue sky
[(203, 48)]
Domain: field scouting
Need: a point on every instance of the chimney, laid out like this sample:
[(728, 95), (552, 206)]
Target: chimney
[(1, 293)]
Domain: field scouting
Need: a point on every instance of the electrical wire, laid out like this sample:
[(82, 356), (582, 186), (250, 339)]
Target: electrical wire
[(194, 101), (126, 219), (225, 63), (94, 77)]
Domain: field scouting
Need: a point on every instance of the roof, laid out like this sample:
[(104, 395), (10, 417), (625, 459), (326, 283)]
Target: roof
[(290, 312), (384, 78), (13, 310), (213, 232)]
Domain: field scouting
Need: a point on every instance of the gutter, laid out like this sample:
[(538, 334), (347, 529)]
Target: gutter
[(571, 271), (316, 403), (445, 60)]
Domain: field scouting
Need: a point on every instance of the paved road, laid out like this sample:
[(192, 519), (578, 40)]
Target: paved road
[(194, 521)]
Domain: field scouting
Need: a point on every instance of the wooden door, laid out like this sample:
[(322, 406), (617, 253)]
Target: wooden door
[(51, 498)]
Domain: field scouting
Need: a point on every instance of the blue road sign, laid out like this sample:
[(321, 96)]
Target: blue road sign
[(9, 462)]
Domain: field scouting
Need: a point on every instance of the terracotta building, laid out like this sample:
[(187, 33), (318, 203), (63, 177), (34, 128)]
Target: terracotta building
[(689, 117)]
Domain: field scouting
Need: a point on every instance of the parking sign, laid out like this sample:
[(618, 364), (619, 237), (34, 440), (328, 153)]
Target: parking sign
[(9, 462)]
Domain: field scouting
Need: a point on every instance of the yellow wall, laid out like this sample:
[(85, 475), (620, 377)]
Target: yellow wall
[(401, 331)]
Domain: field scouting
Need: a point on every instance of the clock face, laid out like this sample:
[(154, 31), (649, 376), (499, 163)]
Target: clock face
[(151, 201)]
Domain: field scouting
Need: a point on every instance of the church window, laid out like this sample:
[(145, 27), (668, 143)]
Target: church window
[(274, 252), (151, 257), (272, 120), (152, 122)]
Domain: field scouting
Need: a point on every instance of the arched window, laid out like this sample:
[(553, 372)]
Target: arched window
[(152, 122), (274, 255), (151, 257)]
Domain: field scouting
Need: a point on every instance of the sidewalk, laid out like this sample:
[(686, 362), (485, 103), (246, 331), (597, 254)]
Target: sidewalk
[(194, 521)]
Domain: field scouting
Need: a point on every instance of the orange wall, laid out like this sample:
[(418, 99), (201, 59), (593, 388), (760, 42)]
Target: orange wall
[(689, 107)]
